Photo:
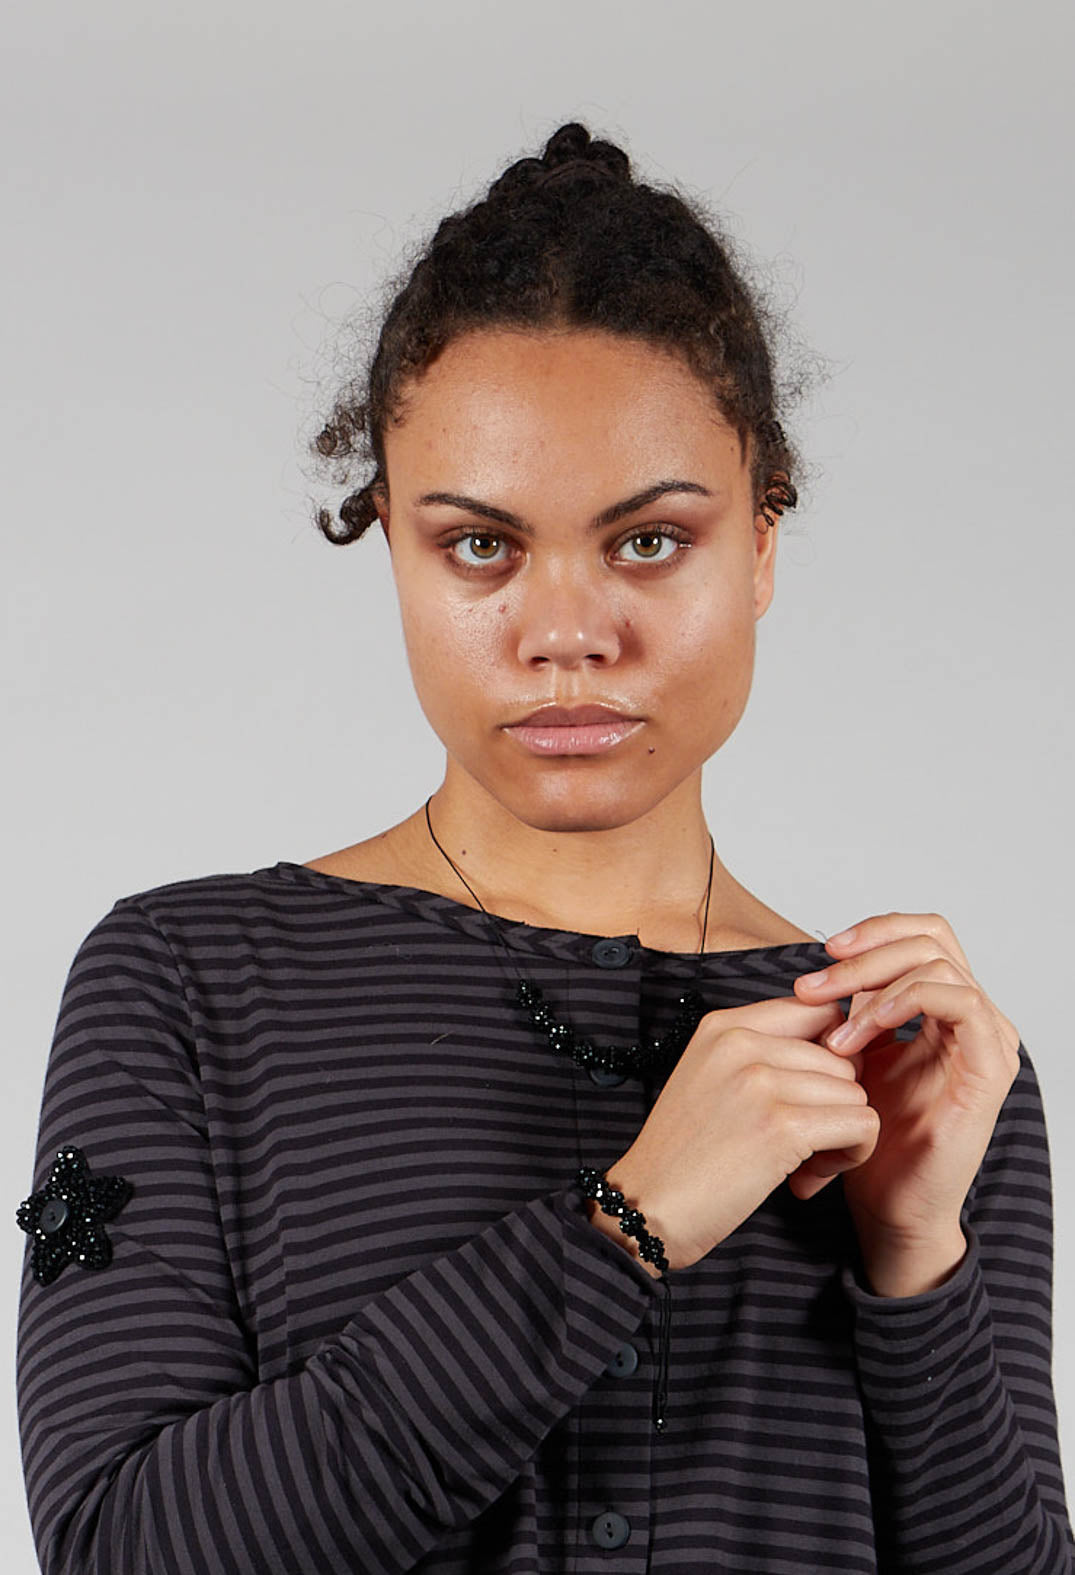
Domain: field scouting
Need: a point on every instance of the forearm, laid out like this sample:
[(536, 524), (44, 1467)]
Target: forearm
[(397, 1432), (955, 1488)]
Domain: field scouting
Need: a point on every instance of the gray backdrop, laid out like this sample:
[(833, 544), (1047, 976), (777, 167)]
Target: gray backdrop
[(193, 199)]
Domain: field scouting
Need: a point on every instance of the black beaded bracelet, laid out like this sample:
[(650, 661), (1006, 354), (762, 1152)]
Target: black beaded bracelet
[(632, 1221)]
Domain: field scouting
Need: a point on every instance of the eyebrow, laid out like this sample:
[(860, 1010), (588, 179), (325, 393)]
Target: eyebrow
[(609, 516)]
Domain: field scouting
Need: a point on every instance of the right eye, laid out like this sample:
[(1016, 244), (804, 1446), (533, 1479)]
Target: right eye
[(482, 544)]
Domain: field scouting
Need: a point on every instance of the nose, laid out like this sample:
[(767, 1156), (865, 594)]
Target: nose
[(566, 619)]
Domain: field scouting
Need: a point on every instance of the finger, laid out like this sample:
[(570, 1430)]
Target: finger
[(881, 928), (875, 970), (871, 1010), (798, 1055), (889, 1009), (784, 1015), (853, 1129), (814, 1088), (816, 1172), (805, 1186), (964, 1009)]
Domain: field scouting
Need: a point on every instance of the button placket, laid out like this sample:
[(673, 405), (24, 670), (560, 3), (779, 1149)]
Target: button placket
[(609, 952), (608, 1538)]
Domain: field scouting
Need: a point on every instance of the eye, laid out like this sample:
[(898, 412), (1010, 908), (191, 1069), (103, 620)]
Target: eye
[(482, 544), (650, 543)]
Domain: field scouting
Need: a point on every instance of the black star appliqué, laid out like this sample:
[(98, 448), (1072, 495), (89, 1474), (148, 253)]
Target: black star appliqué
[(66, 1218)]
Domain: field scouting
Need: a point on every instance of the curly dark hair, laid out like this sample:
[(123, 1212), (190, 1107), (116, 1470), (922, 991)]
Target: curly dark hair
[(569, 240)]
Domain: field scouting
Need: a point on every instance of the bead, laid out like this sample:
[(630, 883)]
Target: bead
[(632, 1221), (633, 1060), (65, 1217)]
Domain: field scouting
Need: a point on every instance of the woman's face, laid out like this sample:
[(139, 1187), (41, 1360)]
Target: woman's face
[(525, 592)]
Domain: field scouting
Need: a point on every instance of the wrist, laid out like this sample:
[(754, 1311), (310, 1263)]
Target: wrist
[(609, 1227), (617, 1218), (897, 1266)]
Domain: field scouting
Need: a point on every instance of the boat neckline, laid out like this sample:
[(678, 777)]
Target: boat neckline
[(462, 916)]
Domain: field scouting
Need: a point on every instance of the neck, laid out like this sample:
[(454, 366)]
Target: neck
[(648, 877)]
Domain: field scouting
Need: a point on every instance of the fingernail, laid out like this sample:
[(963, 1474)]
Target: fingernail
[(840, 1036), (844, 935), (814, 979)]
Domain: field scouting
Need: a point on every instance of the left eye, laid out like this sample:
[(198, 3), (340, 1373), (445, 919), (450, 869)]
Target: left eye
[(649, 544)]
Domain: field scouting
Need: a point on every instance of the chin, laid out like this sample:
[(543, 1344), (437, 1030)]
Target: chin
[(570, 804)]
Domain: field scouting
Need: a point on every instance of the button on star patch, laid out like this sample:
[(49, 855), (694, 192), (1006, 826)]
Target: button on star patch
[(66, 1218)]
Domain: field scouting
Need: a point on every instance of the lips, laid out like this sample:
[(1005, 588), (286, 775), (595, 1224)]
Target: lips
[(554, 731), (572, 716)]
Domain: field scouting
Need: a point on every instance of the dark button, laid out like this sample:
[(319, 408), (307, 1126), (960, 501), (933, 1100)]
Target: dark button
[(624, 1363), (610, 1530), (53, 1215), (611, 954), (606, 1079)]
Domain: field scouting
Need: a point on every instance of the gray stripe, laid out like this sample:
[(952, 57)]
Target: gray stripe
[(357, 1320)]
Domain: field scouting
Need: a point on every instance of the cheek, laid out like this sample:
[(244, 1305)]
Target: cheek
[(713, 642), (449, 645)]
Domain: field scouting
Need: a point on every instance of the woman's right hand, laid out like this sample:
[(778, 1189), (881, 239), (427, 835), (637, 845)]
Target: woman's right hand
[(750, 1099)]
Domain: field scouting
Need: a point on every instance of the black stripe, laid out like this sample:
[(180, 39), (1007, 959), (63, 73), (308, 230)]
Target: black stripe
[(357, 1319)]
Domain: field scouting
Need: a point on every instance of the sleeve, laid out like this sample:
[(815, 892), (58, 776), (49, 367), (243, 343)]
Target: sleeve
[(150, 1448), (957, 1382)]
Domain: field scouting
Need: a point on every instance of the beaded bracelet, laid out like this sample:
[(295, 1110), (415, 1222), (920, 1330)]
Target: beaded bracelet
[(632, 1221)]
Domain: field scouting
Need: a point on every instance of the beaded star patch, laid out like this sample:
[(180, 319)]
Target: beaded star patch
[(67, 1217)]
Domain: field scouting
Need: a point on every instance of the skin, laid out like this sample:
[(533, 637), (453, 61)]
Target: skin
[(555, 428), (499, 618)]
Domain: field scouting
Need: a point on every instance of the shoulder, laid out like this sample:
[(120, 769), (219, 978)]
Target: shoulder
[(200, 900), (151, 943), (215, 920), (197, 889)]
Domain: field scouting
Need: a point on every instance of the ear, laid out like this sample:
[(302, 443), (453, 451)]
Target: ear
[(379, 494), (765, 533), (779, 494)]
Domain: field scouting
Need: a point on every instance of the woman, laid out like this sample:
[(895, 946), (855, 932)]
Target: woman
[(499, 1193)]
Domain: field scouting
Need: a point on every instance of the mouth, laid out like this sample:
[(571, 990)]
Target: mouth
[(574, 730)]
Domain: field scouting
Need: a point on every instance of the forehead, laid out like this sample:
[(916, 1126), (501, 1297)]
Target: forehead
[(529, 398)]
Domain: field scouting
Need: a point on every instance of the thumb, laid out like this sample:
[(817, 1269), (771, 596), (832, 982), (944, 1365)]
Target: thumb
[(816, 1172)]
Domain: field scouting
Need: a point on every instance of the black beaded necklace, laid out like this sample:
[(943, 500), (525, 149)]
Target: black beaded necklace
[(635, 1060), (653, 1057)]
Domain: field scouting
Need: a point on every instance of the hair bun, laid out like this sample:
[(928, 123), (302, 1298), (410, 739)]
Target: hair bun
[(569, 153), (572, 145)]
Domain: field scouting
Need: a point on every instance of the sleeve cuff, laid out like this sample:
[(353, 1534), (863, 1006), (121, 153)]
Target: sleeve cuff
[(956, 1286), (570, 1205)]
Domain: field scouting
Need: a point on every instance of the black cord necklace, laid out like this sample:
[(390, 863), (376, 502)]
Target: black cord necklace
[(652, 1057), (637, 1060)]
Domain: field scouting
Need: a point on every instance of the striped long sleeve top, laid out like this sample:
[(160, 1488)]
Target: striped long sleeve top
[(355, 1317)]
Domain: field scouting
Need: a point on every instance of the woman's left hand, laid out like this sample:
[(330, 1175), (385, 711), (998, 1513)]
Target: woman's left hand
[(938, 1095)]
